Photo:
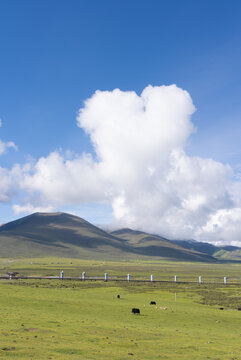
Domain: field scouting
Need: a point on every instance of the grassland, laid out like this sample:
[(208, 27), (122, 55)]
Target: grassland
[(53, 319)]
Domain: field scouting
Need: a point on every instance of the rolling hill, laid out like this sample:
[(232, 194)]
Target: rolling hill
[(66, 235), (138, 238), (154, 245), (57, 234), (226, 252)]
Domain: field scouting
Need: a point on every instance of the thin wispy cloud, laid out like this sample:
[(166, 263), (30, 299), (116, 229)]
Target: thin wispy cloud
[(4, 146)]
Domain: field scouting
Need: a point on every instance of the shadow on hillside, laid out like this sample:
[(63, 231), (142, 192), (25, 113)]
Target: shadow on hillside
[(172, 253)]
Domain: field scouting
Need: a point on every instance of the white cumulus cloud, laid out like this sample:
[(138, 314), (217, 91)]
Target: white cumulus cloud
[(9, 180), (141, 168), (54, 181)]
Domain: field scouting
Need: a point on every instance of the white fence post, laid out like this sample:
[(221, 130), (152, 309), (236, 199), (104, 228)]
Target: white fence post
[(152, 278), (200, 280), (83, 275), (106, 277), (128, 277), (175, 278), (225, 280), (61, 275)]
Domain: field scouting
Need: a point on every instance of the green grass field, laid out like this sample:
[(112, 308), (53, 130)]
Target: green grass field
[(53, 319)]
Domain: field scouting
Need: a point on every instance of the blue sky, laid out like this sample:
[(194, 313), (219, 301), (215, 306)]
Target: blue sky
[(56, 54)]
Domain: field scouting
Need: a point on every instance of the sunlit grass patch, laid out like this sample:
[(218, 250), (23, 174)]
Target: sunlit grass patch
[(54, 319)]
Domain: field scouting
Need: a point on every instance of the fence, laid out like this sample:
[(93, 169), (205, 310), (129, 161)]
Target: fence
[(175, 279)]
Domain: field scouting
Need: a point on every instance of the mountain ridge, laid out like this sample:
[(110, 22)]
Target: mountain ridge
[(66, 235), (225, 252)]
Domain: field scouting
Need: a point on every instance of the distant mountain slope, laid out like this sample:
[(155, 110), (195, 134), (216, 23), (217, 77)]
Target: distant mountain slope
[(226, 252), (203, 247), (65, 235), (155, 245), (223, 254)]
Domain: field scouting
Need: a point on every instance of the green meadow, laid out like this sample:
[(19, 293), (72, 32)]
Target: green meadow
[(54, 319)]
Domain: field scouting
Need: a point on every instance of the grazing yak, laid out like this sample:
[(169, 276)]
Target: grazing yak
[(118, 296), (12, 274), (135, 311), (152, 303)]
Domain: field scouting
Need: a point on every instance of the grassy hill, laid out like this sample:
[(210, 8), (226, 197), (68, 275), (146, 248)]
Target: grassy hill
[(138, 238), (155, 242), (65, 235), (58, 234), (219, 252), (154, 245), (225, 253)]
